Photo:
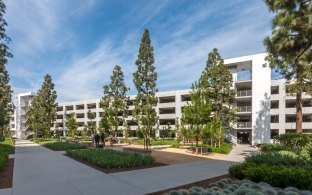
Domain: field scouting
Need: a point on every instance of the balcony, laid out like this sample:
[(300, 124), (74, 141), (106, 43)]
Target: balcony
[(244, 109), (244, 125), (244, 93)]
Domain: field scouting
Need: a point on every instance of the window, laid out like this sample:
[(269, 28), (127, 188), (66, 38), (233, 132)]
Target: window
[(290, 118), (185, 98), (167, 110), (307, 118), (290, 104), (80, 107), (274, 133), (274, 104), (274, 90), (91, 106), (167, 99), (274, 119)]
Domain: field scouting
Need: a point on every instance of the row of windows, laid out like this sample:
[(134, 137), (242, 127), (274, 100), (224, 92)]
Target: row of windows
[(291, 118), (167, 99), (129, 122), (291, 103), (170, 110), (275, 89)]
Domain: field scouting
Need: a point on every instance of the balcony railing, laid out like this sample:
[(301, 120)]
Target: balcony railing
[(244, 124), (244, 93), (244, 109)]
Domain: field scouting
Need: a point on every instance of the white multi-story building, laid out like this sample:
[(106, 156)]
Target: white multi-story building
[(263, 107), (18, 121)]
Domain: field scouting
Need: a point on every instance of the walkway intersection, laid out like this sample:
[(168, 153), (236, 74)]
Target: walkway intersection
[(38, 170)]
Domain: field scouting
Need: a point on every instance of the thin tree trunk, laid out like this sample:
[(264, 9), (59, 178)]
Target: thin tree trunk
[(298, 113)]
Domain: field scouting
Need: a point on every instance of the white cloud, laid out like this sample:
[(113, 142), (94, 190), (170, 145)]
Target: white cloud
[(182, 42)]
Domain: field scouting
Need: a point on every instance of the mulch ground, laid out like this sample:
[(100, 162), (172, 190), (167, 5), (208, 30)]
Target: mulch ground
[(114, 170), (6, 175), (203, 183)]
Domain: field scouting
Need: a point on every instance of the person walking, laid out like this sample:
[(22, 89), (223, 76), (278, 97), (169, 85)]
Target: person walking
[(97, 140)]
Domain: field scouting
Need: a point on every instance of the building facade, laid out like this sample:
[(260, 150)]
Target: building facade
[(263, 107), (18, 121)]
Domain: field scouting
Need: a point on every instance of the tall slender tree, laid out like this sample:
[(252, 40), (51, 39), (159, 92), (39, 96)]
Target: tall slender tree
[(145, 82), (290, 47), (197, 113), (6, 106), (43, 108), (114, 101), (217, 80)]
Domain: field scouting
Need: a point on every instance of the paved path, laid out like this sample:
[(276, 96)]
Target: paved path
[(240, 151), (38, 170)]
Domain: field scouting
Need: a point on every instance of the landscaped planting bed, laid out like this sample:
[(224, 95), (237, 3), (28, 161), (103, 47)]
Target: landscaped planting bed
[(110, 159), (7, 146), (280, 169), (3, 159), (237, 187), (6, 164), (63, 146)]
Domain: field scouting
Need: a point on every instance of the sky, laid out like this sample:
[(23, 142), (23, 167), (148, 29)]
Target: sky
[(78, 42)]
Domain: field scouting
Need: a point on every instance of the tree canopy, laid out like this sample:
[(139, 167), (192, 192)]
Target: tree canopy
[(290, 47), (145, 82)]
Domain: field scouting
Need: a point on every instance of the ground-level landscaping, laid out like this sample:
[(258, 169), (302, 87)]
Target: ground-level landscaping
[(109, 161), (57, 145), (286, 163), (6, 164), (231, 186)]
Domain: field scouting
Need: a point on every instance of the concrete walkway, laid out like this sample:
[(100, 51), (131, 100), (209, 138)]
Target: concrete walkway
[(38, 170), (240, 151)]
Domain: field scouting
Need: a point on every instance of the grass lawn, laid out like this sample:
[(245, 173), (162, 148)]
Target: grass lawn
[(111, 159)]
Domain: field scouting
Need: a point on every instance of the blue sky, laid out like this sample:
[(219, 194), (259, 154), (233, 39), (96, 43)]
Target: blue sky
[(78, 42)]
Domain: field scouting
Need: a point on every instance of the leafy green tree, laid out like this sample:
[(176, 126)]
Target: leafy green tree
[(290, 47), (42, 111), (197, 113), (145, 82), (35, 117), (72, 125), (6, 106), (114, 101), (218, 81)]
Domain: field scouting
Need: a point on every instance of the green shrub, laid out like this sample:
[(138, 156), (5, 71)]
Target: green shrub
[(286, 158), (293, 141), (63, 146), (280, 169), (3, 159), (7, 146), (107, 158), (224, 149), (275, 175), (270, 147)]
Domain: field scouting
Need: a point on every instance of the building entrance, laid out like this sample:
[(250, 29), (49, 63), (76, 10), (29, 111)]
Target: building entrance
[(243, 136)]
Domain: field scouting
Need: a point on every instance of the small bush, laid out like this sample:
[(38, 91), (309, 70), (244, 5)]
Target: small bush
[(107, 158), (270, 147)]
